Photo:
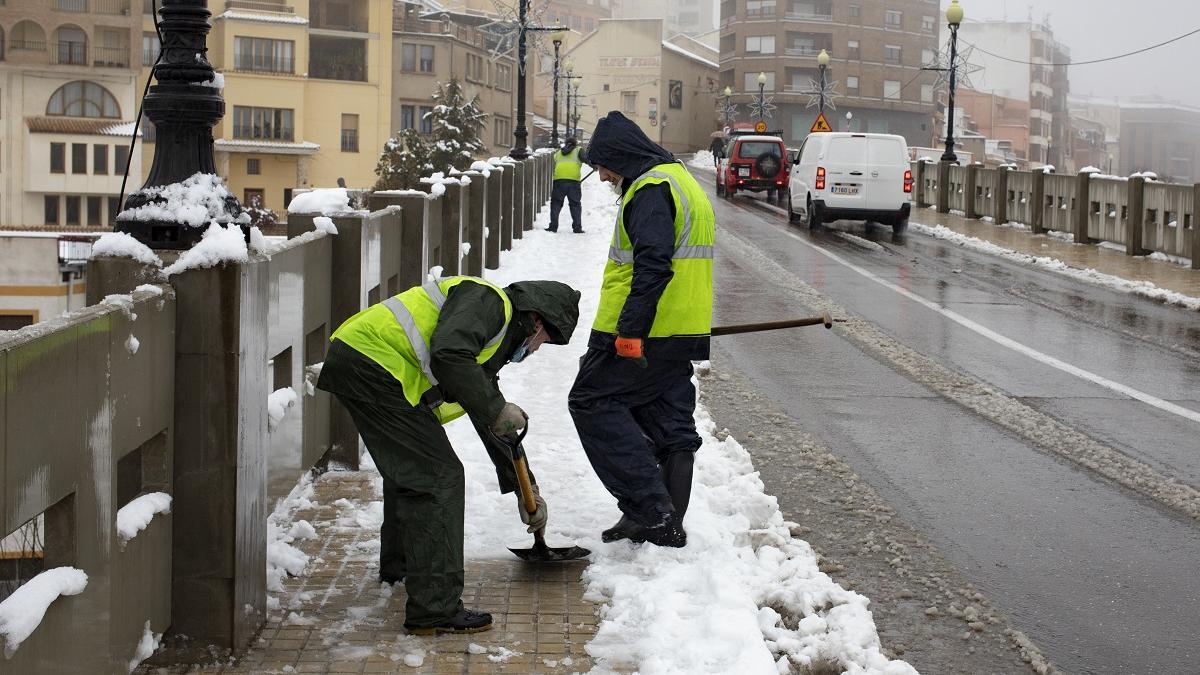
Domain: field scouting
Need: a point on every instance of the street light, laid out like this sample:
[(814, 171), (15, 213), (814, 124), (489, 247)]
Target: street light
[(557, 38), (520, 149), (762, 84), (822, 64), (954, 16), (569, 66), (728, 93), (849, 116)]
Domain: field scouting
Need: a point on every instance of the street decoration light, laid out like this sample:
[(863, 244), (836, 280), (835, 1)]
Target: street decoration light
[(762, 106), (954, 17), (728, 109), (762, 84), (822, 64), (557, 38)]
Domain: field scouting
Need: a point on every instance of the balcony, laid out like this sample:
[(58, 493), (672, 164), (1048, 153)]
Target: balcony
[(341, 15), (809, 16), (109, 7), (802, 51), (334, 58), (79, 54)]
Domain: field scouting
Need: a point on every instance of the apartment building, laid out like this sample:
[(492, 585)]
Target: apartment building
[(307, 93), (1030, 75), (690, 17), (431, 46), (876, 49), (669, 91), (67, 101), (1160, 136)]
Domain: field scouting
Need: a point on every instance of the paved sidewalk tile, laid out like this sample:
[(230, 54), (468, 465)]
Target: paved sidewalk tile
[(338, 618)]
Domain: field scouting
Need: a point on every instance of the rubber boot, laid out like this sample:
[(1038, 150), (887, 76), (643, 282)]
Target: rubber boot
[(626, 528), (677, 476)]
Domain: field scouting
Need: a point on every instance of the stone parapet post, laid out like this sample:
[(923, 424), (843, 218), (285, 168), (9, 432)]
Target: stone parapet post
[(493, 225), (476, 217), (1083, 205), (943, 187), (452, 203), (520, 180), (1037, 203), (1000, 196), (969, 183), (1136, 216)]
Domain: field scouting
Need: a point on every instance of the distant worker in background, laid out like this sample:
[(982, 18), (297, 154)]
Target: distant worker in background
[(717, 147), (567, 169)]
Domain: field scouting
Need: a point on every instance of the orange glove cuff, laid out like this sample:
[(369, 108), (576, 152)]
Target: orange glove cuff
[(630, 348)]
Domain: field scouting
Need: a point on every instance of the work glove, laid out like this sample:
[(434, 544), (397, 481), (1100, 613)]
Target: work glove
[(631, 348), (537, 519), (510, 421)]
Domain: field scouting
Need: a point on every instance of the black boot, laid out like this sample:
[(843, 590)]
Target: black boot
[(667, 532), (677, 476), (626, 528), (466, 621)]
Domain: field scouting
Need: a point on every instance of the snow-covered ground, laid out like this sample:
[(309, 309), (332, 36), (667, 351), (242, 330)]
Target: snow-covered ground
[(744, 596)]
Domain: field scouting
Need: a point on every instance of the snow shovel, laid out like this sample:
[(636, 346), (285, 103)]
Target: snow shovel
[(823, 320), (540, 552)]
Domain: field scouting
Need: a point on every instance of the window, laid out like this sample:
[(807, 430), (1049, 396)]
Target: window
[(425, 125), (852, 82), (852, 49), (893, 18), (93, 211), (891, 53), (58, 158), (751, 82), (416, 57), (928, 24), (72, 46), (287, 198), (855, 11), (927, 93), (760, 8), (50, 203), (589, 24), (407, 117), (83, 99), (72, 210), (629, 101), (262, 123), (503, 77), (79, 158), (927, 57), (263, 54), (253, 166), (150, 48), (120, 158), (426, 59), (760, 45), (503, 131), (349, 133), (475, 71), (99, 159), (891, 89)]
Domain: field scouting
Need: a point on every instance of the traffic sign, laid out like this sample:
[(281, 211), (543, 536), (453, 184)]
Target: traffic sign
[(760, 127), (821, 124)]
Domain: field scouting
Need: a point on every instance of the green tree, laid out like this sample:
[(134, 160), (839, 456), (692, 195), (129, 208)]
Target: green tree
[(457, 124), (403, 162)]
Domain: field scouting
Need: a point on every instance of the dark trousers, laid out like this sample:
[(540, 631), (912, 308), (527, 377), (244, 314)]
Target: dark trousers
[(630, 420), (423, 496), (570, 190)]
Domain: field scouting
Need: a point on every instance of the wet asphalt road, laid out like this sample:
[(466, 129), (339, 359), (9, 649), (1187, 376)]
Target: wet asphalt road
[(1103, 579)]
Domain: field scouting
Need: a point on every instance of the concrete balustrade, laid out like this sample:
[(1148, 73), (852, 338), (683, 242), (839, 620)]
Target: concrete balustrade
[(183, 410), (1144, 216)]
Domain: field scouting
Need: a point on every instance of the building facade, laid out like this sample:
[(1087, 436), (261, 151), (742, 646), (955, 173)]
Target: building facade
[(669, 91), (1161, 137), (429, 48), (307, 93), (690, 17), (1000, 120), (1036, 74), (42, 276), (876, 49), (1089, 116), (68, 77)]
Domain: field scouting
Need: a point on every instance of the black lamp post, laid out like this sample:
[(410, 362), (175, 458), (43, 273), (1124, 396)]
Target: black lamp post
[(183, 111), (727, 111), (822, 64), (520, 149), (954, 16), (569, 66), (557, 38), (762, 99)]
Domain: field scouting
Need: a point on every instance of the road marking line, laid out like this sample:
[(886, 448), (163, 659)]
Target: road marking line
[(1018, 347)]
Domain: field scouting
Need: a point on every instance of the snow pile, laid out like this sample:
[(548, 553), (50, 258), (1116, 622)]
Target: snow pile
[(217, 245), (1148, 175), (326, 201), (502, 161), (217, 82), (196, 201), (21, 612), (137, 514), (149, 288), (464, 249), (282, 557), (482, 167), (1049, 168), (123, 245), (437, 189), (278, 403), (1142, 288), (324, 224), (146, 646), (132, 344), (1089, 169), (703, 159)]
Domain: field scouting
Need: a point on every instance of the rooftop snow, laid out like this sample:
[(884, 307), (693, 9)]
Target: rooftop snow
[(683, 52), (266, 17)]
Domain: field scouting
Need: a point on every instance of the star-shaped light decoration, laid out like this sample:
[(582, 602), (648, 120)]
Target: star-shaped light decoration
[(761, 108), (815, 90), (505, 29), (726, 108), (941, 65)]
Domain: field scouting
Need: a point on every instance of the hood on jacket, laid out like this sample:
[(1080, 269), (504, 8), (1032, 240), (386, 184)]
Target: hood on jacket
[(569, 144), (619, 145), (556, 302)]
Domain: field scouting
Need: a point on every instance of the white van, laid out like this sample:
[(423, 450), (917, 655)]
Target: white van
[(854, 177)]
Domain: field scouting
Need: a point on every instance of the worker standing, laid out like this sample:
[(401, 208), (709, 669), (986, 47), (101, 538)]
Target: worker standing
[(567, 170), (408, 365), (633, 400)]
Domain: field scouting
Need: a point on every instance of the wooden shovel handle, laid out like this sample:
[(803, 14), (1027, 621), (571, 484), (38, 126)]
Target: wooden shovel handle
[(527, 497)]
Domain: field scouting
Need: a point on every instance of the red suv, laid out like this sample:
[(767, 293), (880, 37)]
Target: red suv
[(755, 163)]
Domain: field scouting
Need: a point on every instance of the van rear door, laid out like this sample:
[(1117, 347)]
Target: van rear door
[(846, 166), (887, 160)]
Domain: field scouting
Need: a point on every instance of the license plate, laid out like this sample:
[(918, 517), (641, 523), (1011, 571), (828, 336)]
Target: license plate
[(744, 171), (844, 189)]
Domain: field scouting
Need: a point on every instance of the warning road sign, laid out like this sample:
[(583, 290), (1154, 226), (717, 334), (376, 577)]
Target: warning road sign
[(821, 124)]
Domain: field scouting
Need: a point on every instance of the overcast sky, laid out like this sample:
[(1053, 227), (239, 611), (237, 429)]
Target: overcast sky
[(1100, 28)]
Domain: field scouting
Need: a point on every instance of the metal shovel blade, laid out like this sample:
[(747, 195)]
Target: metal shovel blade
[(543, 553)]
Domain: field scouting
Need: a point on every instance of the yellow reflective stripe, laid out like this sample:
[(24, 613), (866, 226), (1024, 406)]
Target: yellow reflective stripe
[(409, 325)]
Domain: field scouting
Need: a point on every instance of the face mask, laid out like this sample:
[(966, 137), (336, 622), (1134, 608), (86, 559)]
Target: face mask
[(519, 355), (616, 189)]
